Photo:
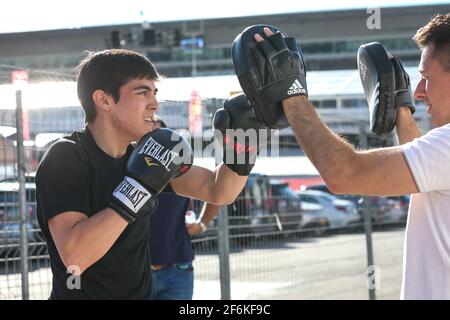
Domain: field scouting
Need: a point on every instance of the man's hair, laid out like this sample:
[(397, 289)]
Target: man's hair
[(108, 70), (436, 32), (161, 122)]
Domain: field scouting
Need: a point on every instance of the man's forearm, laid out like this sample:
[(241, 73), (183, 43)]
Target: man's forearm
[(89, 239), (334, 156), (407, 129), (228, 184), (209, 212)]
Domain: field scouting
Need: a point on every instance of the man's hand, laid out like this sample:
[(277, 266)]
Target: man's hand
[(294, 100), (269, 70), (402, 91), (194, 229)]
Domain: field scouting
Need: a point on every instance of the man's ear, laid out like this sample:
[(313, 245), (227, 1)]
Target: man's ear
[(101, 100)]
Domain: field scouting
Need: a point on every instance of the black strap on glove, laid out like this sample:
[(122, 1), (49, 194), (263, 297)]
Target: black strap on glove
[(269, 71)]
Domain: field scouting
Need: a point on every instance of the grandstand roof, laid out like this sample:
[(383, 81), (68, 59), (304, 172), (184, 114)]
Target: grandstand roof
[(320, 84)]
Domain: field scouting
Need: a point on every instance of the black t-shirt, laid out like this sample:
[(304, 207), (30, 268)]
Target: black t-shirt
[(76, 175)]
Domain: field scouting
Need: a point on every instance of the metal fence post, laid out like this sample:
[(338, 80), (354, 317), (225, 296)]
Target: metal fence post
[(367, 213), (22, 197), (224, 253)]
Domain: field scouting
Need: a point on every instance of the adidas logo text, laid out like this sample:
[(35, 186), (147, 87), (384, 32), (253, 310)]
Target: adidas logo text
[(296, 88)]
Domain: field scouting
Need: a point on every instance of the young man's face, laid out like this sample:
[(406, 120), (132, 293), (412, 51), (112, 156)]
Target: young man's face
[(434, 87), (133, 113)]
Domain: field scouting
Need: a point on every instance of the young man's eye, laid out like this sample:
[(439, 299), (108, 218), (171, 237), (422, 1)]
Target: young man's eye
[(144, 93)]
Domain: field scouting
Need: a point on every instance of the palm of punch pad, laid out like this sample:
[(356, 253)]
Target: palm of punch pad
[(160, 156), (402, 90), (268, 72)]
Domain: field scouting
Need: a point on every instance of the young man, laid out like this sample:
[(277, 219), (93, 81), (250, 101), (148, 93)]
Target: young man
[(95, 194), (419, 166)]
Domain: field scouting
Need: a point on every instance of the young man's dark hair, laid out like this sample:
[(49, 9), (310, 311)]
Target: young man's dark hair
[(108, 70)]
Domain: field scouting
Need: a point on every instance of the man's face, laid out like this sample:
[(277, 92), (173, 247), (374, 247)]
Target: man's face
[(434, 87), (133, 113)]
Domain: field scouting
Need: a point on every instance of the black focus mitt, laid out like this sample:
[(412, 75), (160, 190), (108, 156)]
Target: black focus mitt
[(269, 71), (386, 86)]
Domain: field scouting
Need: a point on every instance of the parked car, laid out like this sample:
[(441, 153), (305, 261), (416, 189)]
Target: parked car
[(9, 199), (338, 212), (251, 212), (398, 209), (10, 215), (251, 209), (314, 218), (379, 206), (10, 232), (263, 206), (404, 205), (286, 205)]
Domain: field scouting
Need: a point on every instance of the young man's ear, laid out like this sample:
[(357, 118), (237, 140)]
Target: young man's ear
[(101, 100)]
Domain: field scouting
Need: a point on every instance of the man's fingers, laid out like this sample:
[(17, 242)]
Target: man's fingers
[(258, 37), (268, 32)]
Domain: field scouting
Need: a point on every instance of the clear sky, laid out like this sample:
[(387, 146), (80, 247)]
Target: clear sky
[(32, 15)]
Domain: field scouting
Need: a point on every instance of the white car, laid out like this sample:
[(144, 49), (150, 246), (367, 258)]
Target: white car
[(339, 213), (314, 218)]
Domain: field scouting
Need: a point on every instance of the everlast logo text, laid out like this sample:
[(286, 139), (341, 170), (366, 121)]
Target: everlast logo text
[(133, 194), (155, 150)]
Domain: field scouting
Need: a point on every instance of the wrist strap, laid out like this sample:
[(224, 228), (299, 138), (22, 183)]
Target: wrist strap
[(121, 212), (131, 194)]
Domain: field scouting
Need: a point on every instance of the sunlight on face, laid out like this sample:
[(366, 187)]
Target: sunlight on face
[(433, 87)]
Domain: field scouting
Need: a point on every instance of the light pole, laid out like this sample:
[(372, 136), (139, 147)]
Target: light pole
[(194, 60)]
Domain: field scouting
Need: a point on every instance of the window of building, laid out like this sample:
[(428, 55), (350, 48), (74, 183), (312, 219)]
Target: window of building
[(324, 104), (354, 103)]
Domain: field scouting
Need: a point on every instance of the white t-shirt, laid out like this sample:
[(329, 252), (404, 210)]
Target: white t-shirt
[(426, 261)]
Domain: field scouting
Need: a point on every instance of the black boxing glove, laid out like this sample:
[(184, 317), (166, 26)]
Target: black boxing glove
[(241, 133), (160, 156)]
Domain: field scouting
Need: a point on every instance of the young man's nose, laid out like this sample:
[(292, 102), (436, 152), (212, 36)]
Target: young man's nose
[(153, 104)]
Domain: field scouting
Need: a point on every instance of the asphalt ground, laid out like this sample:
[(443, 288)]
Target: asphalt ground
[(330, 267)]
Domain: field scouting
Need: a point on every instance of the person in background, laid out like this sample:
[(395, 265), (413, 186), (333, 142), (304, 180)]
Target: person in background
[(171, 228)]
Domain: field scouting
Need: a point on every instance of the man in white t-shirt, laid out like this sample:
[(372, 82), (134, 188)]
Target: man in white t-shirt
[(419, 166)]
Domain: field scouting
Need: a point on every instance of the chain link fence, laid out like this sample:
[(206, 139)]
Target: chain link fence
[(273, 242)]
